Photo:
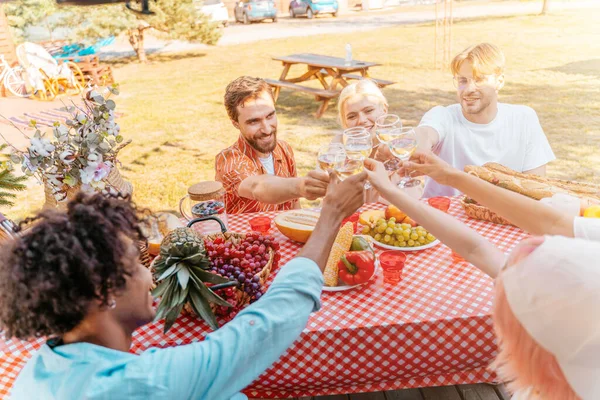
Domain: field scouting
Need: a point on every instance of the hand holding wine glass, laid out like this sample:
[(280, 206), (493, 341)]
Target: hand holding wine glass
[(427, 163), (402, 144), (378, 175)]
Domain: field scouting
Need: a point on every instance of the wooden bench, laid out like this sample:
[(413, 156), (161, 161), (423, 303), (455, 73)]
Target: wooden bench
[(99, 74), (380, 82), (322, 95)]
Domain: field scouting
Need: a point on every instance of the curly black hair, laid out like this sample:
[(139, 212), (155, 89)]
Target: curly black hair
[(51, 274)]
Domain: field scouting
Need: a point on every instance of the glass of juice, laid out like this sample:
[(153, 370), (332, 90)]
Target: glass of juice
[(392, 264), (441, 203), (260, 224)]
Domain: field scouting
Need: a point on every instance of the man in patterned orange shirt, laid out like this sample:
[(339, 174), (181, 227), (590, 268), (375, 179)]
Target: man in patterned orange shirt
[(258, 172)]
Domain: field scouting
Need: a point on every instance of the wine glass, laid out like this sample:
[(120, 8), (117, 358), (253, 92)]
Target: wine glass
[(346, 167), (358, 146), (326, 158), (383, 125), (403, 143)]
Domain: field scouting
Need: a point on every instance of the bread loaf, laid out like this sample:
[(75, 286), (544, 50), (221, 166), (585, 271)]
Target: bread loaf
[(534, 186)]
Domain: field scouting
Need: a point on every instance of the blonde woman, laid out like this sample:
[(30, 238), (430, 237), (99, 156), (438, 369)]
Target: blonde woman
[(360, 104)]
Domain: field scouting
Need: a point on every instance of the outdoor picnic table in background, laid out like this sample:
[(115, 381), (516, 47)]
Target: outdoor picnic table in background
[(332, 72), (432, 329)]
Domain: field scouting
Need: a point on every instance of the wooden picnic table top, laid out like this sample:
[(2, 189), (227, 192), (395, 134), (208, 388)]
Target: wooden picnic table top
[(317, 60)]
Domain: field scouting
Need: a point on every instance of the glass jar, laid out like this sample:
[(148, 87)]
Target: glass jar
[(205, 199)]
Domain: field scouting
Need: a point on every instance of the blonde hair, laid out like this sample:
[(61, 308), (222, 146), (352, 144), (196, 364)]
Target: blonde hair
[(364, 87), (521, 361), (487, 59)]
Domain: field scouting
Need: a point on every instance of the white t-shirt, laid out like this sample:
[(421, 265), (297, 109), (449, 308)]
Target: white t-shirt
[(514, 139), (267, 162), (587, 228)]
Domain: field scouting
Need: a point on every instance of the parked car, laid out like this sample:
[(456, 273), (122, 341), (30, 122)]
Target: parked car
[(310, 8), (216, 10), (247, 11)]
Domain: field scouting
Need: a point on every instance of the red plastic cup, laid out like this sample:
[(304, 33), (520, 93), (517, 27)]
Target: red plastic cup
[(260, 224), (354, 219), (392, 263), (441, 203)]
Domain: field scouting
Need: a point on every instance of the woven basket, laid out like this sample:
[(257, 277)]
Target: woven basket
[(477, 211), (242, 297), (145, 257), (114, 179)]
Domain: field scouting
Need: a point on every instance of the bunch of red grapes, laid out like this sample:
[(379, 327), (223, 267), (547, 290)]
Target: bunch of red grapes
[(241, 262)]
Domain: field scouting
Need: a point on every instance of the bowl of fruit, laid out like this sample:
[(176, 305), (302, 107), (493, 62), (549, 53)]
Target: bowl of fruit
[(393, 229), (211, 276)]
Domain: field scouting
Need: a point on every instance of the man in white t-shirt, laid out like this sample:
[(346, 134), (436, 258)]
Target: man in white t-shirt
[(479, 129)]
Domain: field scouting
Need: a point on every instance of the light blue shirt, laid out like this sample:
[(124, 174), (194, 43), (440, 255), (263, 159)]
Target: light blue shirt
[(219, 367)]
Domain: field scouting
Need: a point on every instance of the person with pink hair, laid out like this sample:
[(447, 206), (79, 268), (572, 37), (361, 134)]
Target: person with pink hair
[(546, 306), (546, 320)]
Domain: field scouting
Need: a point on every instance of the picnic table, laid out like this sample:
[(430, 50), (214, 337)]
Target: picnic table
[(432, 329), (331, 72)]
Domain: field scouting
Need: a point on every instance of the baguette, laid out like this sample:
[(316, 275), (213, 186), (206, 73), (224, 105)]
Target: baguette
[(583, 189), (534, 186)]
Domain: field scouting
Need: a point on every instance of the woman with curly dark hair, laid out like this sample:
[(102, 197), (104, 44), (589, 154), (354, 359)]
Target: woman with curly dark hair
[(75, 278)]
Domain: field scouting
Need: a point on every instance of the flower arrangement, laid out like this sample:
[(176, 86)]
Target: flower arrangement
[(81, 153)]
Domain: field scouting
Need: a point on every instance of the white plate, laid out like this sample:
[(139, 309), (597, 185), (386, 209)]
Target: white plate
[(348, 287), (389, 247)]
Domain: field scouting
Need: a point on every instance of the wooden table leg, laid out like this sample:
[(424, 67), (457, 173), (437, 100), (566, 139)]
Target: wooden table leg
[(286, 69), (321, 79), (336, 78)]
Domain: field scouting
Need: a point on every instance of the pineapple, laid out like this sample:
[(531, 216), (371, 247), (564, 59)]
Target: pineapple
[(180, 273)]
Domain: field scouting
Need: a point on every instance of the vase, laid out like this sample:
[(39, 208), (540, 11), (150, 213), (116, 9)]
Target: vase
[(114, 179)]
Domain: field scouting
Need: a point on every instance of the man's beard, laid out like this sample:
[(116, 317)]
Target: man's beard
[(262, 149), (484, 103)]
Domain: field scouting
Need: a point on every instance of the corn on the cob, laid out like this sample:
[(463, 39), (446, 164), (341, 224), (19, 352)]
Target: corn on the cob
[(342, 243)]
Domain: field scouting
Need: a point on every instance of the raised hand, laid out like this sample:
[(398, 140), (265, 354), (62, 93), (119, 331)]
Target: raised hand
[(315, 184), (346, 196), (427, 163), (378, 175)]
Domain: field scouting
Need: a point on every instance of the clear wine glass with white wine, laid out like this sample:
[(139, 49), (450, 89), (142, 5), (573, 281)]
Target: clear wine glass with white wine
[(326, 158), (383, 125), (358, 145), (403, 143)]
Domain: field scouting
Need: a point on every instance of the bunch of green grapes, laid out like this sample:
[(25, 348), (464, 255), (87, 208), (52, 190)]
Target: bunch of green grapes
[(397, 234)]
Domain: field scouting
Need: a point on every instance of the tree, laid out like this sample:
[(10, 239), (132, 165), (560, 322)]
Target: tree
[(546, 7), (27, 13), (174, 19)]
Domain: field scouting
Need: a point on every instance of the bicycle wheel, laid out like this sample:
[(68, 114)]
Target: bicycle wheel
[(15, 82)]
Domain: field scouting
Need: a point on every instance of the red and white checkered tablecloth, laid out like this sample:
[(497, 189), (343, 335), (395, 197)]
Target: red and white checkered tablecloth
[(432, 329)]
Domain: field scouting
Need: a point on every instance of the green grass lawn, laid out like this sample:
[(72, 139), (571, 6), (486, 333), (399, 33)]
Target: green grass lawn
[(174, 110)]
